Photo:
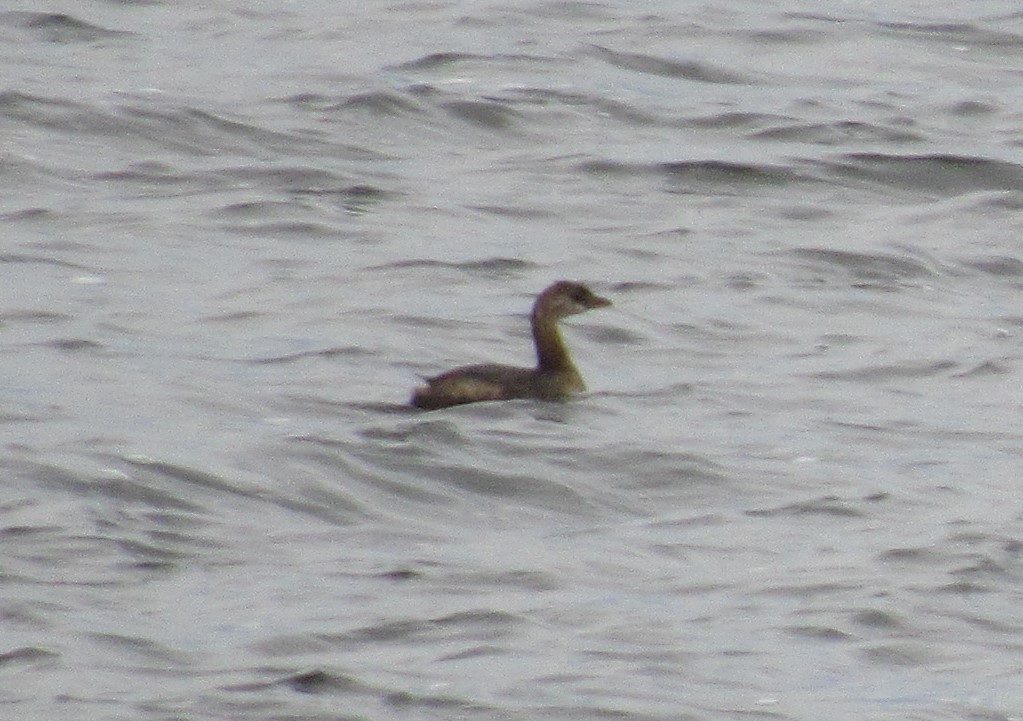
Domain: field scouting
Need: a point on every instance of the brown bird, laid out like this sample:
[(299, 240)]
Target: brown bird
[(555, 377)]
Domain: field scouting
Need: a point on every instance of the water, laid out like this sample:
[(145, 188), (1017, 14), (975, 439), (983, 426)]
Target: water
[(236, 234)]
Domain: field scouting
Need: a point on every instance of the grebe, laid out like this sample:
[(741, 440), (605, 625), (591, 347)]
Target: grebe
[(554, 378)]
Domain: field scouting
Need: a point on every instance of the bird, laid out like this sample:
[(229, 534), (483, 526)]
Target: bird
[(555, 377)]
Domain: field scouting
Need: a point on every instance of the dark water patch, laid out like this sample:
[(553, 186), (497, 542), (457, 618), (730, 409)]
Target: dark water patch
[(402, 575), (720, 172), (570, 10), (327, 353), (386, 476), (176, 525), (514, 580), (360, 192), (234, 317), (939, 174), (185, 130), (840, 339), (354, 199), (295, 178), (73, 345), (432, 432), (29, 655), (528, 581), (424, 702), (485, 621), (965, 587), (320, 681), (811, 589), (824, 506), (486, 114), (498, 484), (972, 109), (999, 266), (691, 176), (422, 321), (685, 70), (311, 492), (195, 132), (379, 103), (7, 416), (151, 174), (24, 106), (819, 633), (1012, 320), (613, 335), (489, 267), (320, 407), (599, 105), (439, 60), (901, 654), (985, 369), (463, 625), (1004, 200), (876, 267), (788, 38), (955, 34), (925, 556), (641, 286), (628, 114), (174, 130), (116, 487), (613, 168), (654, 478), (142, 648), (294, 645), (443, 60), (267, 139), (840, 132), (18, 258), (158, 555), (980, 565), (327, 505), (58, 27), (27, 215), (293, 229), (254, 209), (883, 432), (872, 374), (737, 120), (476, 652), (805, 213), (1001, 629), (9, 532), (518, 213), (304, 184), (34, 317), (877, 619), (818, 17), (479, 475), (497, 265)]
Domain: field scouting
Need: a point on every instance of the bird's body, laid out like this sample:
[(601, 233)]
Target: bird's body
[(555, 376)]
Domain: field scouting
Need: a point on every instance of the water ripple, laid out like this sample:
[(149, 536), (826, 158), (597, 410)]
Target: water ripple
[(651, 65)]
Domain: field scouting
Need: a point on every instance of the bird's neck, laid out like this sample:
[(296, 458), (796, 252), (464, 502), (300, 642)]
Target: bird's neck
[(551, 353)]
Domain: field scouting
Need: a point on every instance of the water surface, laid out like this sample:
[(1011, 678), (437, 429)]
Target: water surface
[(236, 234)]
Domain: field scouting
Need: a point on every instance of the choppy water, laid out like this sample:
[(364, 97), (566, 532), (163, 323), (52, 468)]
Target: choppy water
[(235, 234)]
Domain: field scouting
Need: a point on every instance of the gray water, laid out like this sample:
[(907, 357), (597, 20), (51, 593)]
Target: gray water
[(235, 234)]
